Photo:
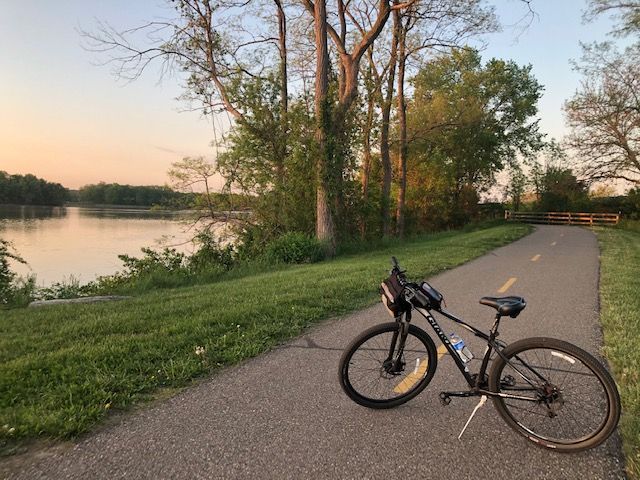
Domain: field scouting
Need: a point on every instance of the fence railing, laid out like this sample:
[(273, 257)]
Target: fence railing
[(563, 218)]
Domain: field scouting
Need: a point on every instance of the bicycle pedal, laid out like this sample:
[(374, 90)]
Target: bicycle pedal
[(444, 399)]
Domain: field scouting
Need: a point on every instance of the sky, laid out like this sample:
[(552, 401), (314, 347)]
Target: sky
[(68, 120)]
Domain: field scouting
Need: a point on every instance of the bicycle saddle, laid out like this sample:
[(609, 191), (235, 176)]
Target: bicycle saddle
[(510, 306)]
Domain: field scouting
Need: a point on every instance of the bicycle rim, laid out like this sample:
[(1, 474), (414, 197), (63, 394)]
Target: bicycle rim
[(366, 376), (576, 413)]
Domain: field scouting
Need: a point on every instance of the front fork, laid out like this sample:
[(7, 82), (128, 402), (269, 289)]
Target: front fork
[(394, 363)]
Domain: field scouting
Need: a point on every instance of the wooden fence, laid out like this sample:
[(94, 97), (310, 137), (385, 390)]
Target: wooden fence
[(563, 218)]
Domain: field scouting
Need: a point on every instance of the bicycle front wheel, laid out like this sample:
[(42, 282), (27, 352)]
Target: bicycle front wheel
[(369, 375), (555, 394)]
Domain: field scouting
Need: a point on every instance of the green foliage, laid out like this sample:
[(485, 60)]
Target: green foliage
[(516, 186), (631, 204), (63, 368), (14, 291), (168, 260), (210, 255), (271, 159), (628, 205), (620, 316), (561, 191), (69, 288), (133, 195), (30, 190), (294, 247), (468, 120), (165, 268)]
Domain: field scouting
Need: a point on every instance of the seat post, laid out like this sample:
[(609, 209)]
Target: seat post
[(496, 324)]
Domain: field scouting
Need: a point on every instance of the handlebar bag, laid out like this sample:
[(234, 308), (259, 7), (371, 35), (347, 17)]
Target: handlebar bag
[(391, 292)]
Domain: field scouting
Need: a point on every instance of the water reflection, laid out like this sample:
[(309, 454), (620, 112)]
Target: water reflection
[(85, 242), (137, 213), (30, 212)]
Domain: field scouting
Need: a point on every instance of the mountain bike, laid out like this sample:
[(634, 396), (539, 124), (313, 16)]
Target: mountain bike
[(550, 391)]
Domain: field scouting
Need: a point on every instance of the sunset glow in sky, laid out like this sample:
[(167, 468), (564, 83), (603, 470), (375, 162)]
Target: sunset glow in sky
[(67, 120)]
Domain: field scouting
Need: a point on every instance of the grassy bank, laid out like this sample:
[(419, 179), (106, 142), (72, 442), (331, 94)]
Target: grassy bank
[(620, 315), (64, 368)]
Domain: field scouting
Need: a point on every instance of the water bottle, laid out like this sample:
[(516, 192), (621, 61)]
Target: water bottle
[(461, 349)]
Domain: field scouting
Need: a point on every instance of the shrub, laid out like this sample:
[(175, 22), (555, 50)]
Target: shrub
[(68, 288), (167, 259), (211, 255), (14, 291), (155, 269), (294, 247)]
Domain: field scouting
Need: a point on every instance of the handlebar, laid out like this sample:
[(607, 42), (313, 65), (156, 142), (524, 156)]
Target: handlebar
[(394, 263)]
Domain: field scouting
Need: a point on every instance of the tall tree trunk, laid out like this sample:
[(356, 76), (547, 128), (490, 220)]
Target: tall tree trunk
[(324, 220), (282, 46), (402, 127), (385, 156), (281, 149), (372, 91), (366, 131)]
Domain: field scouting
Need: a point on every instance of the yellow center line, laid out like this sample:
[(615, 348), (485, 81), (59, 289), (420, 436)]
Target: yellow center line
[(414, 377), (417, 373), (553, 244), (507, 285), (535, 258)]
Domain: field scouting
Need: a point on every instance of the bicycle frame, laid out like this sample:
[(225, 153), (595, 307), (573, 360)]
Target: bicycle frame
[(476, 383), (444, 338)]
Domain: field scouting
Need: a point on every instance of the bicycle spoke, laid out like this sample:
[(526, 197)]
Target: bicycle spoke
[(578, 409), (369, 376)]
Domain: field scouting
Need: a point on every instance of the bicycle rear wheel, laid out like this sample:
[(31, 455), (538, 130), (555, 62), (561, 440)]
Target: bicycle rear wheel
[(367, 375), (567, 402)]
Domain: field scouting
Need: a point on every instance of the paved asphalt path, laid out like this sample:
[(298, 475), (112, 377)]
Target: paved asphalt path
[(283, 414)]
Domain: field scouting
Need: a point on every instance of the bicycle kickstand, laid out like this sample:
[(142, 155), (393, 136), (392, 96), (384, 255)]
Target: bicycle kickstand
[(483, 400)]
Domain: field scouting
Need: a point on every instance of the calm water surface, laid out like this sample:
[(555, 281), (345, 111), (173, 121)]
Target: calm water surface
[(85, 242)]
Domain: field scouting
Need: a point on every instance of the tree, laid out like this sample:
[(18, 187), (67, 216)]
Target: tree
[(424, 28), (30, 190), (604, 114), (210, 43), (626, 12), (467, 120), (516, 186), (236, 59), (562, 191), (331, 115), (416, 33), (281, 196), (193, 174)]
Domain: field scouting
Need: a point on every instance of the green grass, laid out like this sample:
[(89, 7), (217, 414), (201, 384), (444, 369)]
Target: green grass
[(620, 315), (63, 368)]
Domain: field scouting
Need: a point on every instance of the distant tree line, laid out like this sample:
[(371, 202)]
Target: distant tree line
[(131, 195), (551, 185), (30, 190), (154, 195)]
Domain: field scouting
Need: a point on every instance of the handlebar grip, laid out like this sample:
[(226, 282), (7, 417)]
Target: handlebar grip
[(394, 262)]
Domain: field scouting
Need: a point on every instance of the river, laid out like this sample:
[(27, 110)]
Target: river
[(84, 242)]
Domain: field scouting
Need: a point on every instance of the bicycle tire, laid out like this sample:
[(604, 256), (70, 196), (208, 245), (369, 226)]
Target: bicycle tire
[(590, 392), (405, 388)]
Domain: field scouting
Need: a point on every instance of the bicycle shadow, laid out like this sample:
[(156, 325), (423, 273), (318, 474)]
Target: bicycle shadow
[(309, 344)]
